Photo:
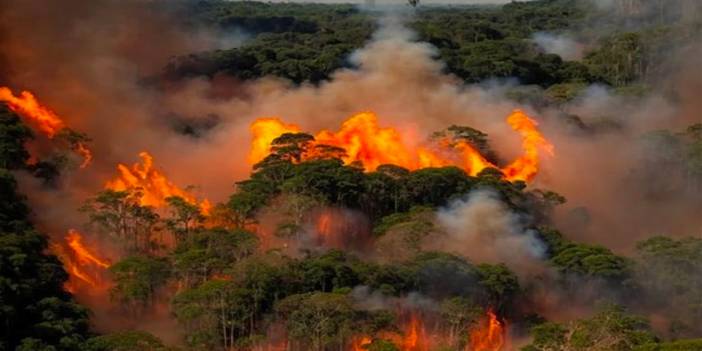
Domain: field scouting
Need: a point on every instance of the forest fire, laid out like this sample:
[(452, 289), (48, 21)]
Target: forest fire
[(153, 186), (361, 343), (414, 338), (27, 106), (365, 142), (526, 166), (324, 224), (84, 266), (265, 130), (488, 336), (42, 118)]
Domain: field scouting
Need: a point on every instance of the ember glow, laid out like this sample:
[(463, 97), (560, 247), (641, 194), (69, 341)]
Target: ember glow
[(41, 118), (84, 265), (154, 187), (412, 338), (324, 224), (489, 335), (82, 150), (371, 145), (415, 336), (361, 343)]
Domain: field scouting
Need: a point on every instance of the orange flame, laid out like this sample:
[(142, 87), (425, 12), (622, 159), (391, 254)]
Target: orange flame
[(42, 118), (526, 166), (324, 224), (153, 185), (415, 336), (488, 336), (264, 131), (84, 152), (82, 263), (28, 107), (84, 256), (366, 142), (360, 343)]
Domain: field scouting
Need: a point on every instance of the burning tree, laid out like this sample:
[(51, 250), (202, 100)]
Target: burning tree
[(120, 215), (46, 122), (360, 140)]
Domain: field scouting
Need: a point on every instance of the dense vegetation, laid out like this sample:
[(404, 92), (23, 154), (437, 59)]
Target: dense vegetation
[(308, 42), (231, 284), (35, 312)]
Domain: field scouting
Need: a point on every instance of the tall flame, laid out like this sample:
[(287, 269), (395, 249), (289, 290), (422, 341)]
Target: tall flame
[(488, 336), (28, 107), (366, 142), (41, 117), (526, 166), (264, 131), (414, 336), (83, 264), (155, 188)]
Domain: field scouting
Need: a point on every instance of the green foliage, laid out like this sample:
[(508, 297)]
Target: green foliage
[(184, 217), (619, 59), (382, 345), (436, 186), (136, 280), (501, 285), (677, 156), (125, 341), (612, 329), (295, 41), (591, 261), (215, 313), (680, 345), (35, 312), (666, 272), (319, 319), (209, 252), (459, 313), (13, 135), (230, 293), (441, 275), (478, 43), (120, 215)]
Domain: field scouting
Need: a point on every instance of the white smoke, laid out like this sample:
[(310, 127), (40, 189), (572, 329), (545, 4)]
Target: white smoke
[(561, 45), (484, 229)]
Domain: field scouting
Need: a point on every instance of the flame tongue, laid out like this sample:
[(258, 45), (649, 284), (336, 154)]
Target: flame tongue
[(153, 185), (366, 142), (526, 166), (83, 255), (28, 107), (488, 336), (413, 340), (264, 131), (42, 118), (83, 264), (360, 343)]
